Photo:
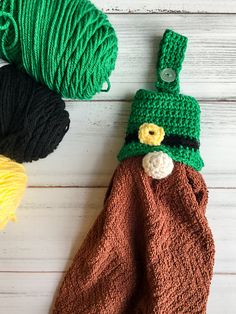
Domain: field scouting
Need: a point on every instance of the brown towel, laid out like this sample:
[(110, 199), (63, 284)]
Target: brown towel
[(150, 250)]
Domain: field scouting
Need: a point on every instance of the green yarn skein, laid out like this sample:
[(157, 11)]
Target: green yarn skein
[(69, 45)]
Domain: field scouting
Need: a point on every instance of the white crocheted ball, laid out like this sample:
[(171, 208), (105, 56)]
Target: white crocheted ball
[(158, 165)]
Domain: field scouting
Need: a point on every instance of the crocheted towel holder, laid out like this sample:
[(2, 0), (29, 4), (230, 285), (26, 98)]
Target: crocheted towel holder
[(164, 125), (170, 59), (159, 165), (150, 249)]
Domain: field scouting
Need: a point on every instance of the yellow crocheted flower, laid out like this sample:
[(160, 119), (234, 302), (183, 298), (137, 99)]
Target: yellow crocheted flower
[(151, 134)]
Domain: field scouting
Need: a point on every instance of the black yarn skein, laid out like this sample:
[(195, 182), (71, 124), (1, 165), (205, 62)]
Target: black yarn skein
[(33, 119)]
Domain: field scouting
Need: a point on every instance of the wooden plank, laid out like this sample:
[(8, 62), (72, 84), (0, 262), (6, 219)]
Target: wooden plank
[(52, 224), (209, 58), (168, 6), (33, 293), (87, 156), (222, 296), (210, 66), (27, 293)]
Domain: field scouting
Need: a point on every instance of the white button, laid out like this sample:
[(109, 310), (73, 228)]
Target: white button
[(168, 75)]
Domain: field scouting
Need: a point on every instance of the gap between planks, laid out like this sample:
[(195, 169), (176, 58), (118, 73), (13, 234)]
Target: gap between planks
[(169, 12), (166, 7), (64, 271), (103, 187), (129, 100)]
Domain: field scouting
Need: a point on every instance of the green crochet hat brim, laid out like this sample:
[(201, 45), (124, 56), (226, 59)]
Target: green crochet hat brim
[(187, 156)]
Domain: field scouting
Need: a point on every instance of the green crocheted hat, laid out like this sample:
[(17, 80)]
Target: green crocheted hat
[(165, 120)]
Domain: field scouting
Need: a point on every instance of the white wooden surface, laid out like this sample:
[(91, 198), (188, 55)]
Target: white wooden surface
[(167, 6), (66, 190)]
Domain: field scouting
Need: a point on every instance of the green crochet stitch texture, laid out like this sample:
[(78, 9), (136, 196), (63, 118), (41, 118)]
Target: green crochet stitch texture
[(68, 45), (178, 114)]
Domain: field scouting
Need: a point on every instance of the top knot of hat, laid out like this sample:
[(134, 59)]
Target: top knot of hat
[(165, 120)]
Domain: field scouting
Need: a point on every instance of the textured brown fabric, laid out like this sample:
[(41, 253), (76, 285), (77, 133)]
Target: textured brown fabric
[(150, 250)]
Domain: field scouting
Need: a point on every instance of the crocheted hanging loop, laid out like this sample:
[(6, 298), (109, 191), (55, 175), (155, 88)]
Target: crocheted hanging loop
[(171, 56)]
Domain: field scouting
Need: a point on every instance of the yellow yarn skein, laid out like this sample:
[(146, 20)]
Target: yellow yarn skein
[(13, 182)]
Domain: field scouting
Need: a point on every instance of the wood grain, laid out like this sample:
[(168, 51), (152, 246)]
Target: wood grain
[(52, 224), (33, 293), (167, 6), (87, 155), (209, 59), (67, 188)]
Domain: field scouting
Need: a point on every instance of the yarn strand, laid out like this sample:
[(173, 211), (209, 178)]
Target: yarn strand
[(13, 183), (33, 121), (68, 45)]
